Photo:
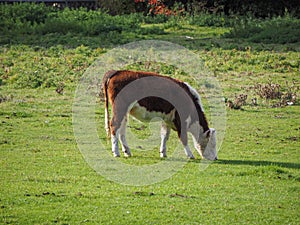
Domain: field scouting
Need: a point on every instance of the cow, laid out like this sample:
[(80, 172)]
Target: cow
[(146, 95)]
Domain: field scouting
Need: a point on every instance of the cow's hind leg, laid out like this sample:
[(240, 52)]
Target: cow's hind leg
[(115, 126), (165, 133), (115, 144), (122, 138)]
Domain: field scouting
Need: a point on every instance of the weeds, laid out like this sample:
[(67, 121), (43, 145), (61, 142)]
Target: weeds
[(238, 102), (273, 91), (268, 91), (60, 88), (5, 98)]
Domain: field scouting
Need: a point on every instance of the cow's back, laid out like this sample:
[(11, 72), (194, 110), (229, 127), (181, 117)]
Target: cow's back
[(117, 80)]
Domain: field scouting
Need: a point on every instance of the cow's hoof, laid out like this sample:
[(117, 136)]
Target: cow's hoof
[(116, 155), (191, 157), (127, 155), (163, 155)]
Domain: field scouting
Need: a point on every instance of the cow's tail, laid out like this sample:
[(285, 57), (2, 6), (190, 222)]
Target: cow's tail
[(105, 83), (107, 119)]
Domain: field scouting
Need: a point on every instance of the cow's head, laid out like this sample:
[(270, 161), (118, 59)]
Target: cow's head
[(209, 145), (206, 144)]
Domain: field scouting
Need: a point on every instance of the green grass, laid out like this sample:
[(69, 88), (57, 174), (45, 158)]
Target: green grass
[(45, 179)]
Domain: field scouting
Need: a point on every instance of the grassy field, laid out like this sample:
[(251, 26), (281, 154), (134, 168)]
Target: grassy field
[(45, 179)]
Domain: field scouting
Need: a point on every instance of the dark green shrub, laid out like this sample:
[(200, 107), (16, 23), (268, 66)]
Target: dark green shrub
[(25, 12), (117, 7), (22, 18), (255, 8), (16, 21), (207, 19), (279, 30), (150, 30), (155, 19)]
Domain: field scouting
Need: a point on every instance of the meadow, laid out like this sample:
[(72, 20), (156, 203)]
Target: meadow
[(44, 177)]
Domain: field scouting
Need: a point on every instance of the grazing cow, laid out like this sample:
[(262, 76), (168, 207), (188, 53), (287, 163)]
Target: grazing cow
[(146, 95)]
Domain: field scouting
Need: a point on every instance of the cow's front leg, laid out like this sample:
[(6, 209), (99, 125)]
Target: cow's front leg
[(122, 137), (184, 139), (197, 146), (165, 133), (188, 152)]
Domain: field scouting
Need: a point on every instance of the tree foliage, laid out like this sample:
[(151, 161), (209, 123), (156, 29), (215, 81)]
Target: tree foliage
[(256, 8)]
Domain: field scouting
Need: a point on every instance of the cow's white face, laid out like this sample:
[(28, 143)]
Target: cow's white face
[(209, 145), (206, 143)]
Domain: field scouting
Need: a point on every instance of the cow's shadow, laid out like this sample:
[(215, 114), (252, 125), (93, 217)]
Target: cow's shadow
[(183, 159), (259, 163)]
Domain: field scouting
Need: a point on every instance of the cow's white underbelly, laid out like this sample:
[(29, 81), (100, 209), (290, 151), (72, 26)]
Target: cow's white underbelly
[(141, 113)]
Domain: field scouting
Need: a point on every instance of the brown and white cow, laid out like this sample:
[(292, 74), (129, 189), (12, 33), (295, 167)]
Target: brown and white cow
[(146, 95)]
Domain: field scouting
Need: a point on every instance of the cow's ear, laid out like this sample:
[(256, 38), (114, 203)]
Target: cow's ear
[(207, 134)]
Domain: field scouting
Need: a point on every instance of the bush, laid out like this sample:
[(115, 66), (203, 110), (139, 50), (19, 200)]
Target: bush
[(22, 17), (38, 19), (79, 21), (255, 8), (207, 19), (25, 12), (117, 7), (279, 30)]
